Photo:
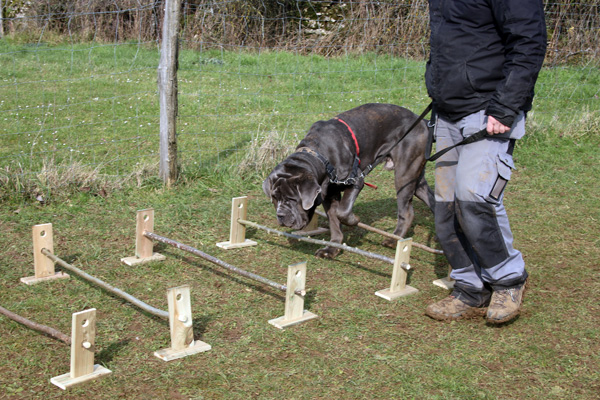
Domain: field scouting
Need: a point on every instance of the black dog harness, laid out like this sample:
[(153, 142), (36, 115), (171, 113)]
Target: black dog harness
[(355, 175)]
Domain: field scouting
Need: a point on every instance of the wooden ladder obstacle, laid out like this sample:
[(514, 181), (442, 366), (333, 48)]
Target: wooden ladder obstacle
[(179, 346), (398, 287), (295, 289)]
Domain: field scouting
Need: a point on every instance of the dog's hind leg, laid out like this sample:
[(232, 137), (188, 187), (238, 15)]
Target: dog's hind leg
[(409, 164), (405, 190), (425, 193)]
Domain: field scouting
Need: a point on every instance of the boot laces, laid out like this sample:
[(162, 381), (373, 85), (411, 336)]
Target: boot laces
[(510, 292)]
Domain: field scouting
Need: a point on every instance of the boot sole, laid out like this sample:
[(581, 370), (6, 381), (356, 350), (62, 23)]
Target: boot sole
[(468, 314)]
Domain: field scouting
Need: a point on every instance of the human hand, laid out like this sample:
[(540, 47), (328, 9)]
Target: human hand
[(495, 127)]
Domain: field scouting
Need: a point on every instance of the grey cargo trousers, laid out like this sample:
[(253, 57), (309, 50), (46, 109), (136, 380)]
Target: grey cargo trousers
[(470, 218)]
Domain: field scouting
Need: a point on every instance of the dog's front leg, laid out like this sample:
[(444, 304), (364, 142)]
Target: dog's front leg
[(344, 211), (330, 205)]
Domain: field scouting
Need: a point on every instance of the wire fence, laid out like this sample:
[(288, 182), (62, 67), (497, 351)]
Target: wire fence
[(78, 78)]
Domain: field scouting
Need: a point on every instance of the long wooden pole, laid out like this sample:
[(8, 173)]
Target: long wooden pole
[(214, 260), (167, 88), (390, 235), (35, 326), (317, 241), (106, 286)]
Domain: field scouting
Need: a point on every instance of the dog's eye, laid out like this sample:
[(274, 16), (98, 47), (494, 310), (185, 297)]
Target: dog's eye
[(286, 202)]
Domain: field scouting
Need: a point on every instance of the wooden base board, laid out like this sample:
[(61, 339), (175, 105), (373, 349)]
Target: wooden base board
[(228, 245), (31, 280), (281, 323), (444, 283), (65, 381), (314, 232), (389, 295), (170, 354), (131, 261)]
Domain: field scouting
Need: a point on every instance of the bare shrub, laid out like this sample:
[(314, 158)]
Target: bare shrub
[(55, 182), (335, 27), (264, 153), (573, 31), (87, 20)]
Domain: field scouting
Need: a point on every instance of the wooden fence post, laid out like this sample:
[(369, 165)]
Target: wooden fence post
[(1, 19), (167, 88)]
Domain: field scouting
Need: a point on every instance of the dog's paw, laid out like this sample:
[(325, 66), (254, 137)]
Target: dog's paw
[(327, 252), (391, 243), (350, 220)]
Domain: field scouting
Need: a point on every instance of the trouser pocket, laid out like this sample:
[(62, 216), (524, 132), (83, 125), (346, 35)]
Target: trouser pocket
[(505, 165)]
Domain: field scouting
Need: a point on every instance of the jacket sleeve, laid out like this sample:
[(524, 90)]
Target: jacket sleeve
[(523, 30)]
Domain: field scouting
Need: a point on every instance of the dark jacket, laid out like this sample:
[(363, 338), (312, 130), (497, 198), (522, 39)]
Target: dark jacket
[(485, 54)]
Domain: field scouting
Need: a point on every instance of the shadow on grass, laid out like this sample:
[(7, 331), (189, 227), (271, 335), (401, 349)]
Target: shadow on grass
[(106, 356), (70, 259), (339, 261), (263, 289), (226, 274), (200, 325)]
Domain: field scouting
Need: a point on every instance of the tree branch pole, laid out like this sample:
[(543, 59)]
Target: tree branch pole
[(387, 234), (106, 286), (37, 327), (214, 260), (317, 241)]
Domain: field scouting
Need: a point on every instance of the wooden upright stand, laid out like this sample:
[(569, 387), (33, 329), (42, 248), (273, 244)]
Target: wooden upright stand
[(143, 246), (294, 303), (44, 267), (237, 232), (82, 352), (445, 283), (398, 287), (312, 228), (181, 324)]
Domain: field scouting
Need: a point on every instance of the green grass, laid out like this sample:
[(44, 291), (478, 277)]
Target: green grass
[(360, 347)]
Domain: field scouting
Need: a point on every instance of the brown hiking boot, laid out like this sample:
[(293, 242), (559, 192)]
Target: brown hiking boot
[(505, 304), (451, 308)]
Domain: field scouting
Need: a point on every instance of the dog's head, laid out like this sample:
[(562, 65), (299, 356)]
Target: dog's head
[(294, 195)]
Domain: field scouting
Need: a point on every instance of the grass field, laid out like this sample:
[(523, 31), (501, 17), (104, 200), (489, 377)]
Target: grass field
[(361, 346)]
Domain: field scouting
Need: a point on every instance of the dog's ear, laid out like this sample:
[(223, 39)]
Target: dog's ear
[(273, 181), (266, 185), (309, 190)]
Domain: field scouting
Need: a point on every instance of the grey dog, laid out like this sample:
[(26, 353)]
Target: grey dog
[(330, 162)]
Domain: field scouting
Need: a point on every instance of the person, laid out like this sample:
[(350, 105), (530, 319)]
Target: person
[(485, 56)]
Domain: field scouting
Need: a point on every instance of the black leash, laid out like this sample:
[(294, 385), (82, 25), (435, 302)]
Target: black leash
[(378, 161), (473, 138)]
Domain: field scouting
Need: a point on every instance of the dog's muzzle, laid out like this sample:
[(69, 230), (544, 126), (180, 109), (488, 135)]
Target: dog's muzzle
[(287, 216)]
